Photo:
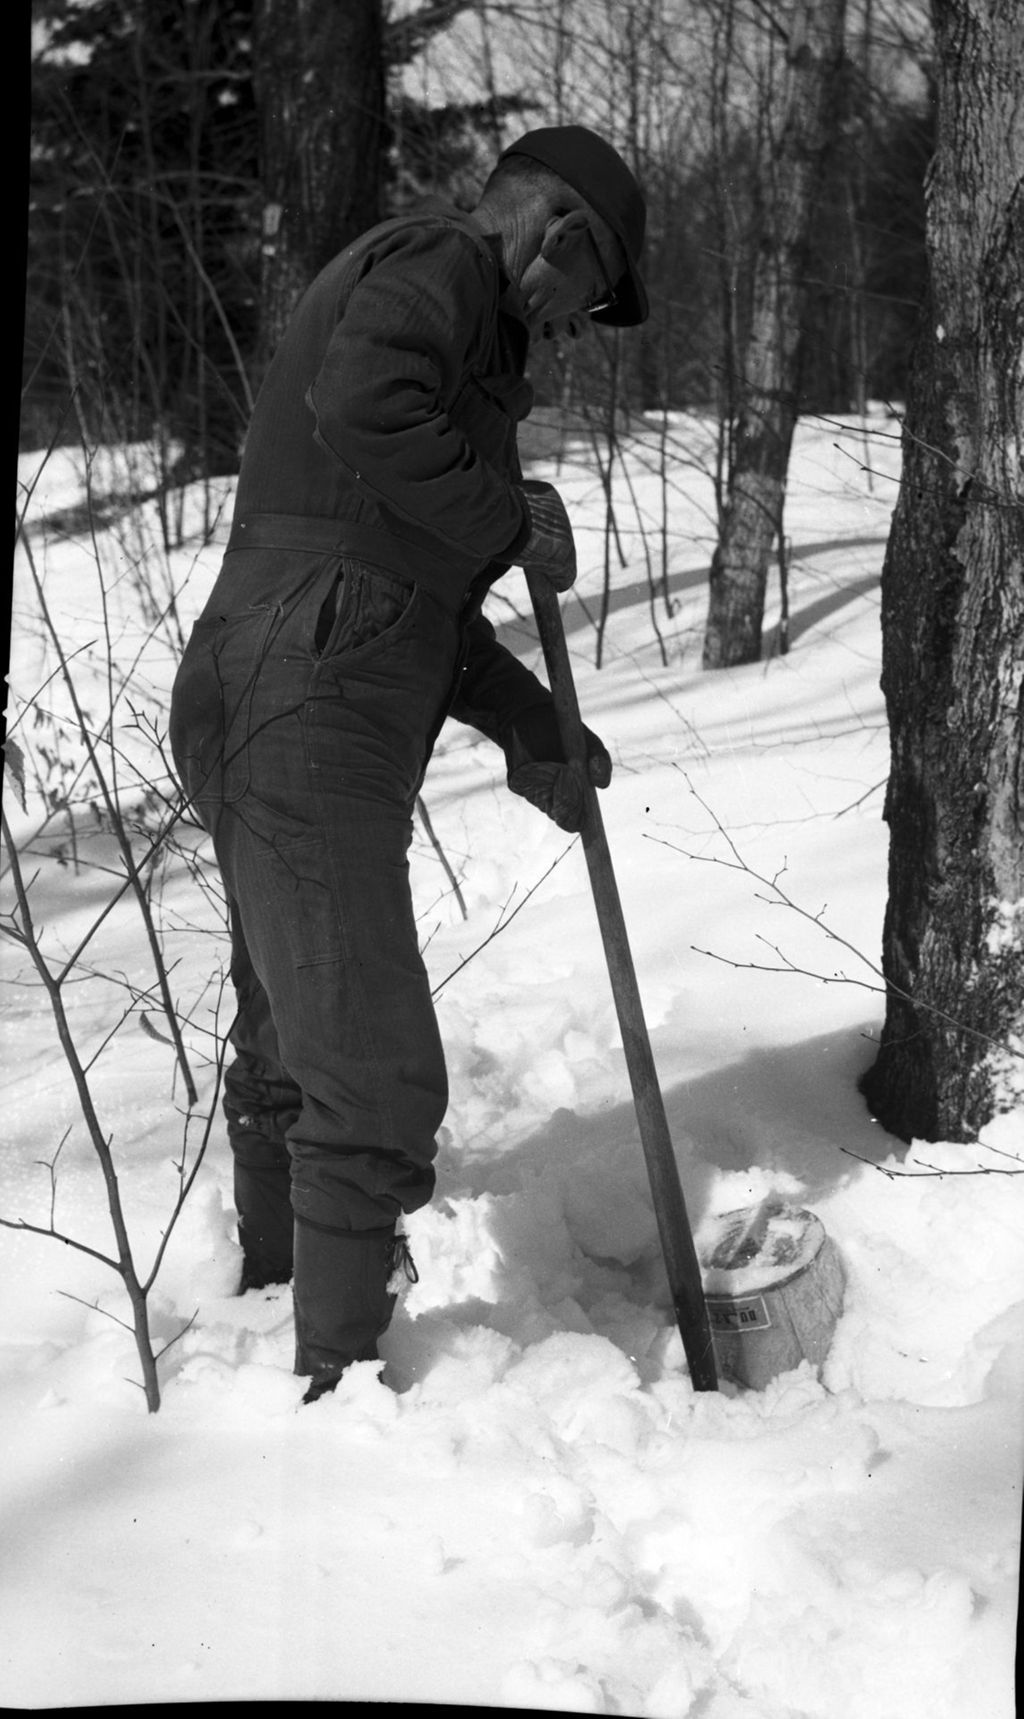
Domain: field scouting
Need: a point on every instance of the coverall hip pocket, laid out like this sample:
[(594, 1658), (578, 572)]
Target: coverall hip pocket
[(211, 728)]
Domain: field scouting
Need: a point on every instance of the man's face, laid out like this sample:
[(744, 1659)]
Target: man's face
[(572, 275)]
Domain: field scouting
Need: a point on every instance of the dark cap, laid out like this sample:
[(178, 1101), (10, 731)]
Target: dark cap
[(597, 171)]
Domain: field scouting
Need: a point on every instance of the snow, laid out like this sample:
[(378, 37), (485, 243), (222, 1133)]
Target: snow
[(533, 1508)]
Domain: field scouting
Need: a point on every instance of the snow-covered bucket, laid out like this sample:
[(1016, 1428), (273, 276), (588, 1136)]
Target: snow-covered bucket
[(773, 1282)]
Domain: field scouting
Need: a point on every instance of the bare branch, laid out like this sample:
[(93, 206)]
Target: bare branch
[(94, 1307), (57, 1235), (928, 1171), (178, 1335), (782, 899), (421, 807), (502, 923)]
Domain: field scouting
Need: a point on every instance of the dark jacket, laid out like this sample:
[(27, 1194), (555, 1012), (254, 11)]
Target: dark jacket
[(386, 423), (390, 406)]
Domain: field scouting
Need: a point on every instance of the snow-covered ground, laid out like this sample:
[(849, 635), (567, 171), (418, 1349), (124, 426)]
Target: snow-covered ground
[(533, 1508)]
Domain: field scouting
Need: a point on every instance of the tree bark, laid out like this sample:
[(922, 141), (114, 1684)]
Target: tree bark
[(318, 74), (953, 618), (769, 383)]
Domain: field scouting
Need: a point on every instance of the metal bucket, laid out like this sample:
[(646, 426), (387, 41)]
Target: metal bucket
[(773, 1283)]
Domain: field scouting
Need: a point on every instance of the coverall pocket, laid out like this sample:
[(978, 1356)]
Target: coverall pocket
[(363, 605), (213, 700)]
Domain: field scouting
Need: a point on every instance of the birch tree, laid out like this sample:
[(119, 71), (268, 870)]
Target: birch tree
[(768, 384)]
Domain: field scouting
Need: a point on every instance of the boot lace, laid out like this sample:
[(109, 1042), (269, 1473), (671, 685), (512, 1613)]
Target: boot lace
[(401, 1264)]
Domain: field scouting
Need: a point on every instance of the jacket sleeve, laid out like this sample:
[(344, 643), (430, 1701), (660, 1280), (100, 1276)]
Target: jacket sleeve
[(495, 687), (387, 393)]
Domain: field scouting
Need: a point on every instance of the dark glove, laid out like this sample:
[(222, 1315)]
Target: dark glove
[(549, 549), (537, 767)]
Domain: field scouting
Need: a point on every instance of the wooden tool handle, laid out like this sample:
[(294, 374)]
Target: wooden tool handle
[(681, 1261)]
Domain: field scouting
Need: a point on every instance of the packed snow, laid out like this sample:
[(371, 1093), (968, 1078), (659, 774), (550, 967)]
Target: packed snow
[(530, 1507)]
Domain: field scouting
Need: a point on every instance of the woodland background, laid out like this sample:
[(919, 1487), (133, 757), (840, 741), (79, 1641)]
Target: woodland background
[(190, 156), (836, 197)]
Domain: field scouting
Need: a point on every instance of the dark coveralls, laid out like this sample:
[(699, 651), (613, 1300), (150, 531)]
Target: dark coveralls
[(376, 504)]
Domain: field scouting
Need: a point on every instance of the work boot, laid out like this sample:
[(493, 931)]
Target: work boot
[(258, 1275), (344, 1293), (266, 1251), (262, 1200)]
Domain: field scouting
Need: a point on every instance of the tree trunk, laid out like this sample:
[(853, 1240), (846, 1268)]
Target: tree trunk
[(953, 618), (318, 75), (769, 383)]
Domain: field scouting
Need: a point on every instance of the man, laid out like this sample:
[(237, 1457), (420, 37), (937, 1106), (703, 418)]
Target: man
[(379, 498)]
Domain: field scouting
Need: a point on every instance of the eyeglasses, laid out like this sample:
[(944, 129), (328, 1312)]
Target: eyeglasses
[(609, 298)]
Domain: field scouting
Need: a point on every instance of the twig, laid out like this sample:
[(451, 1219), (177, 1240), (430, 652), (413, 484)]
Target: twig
[(178, 1335), (94, 1307), (929, 1170), (57, 1235), (186, 1180), (885, 988), (132, 869), (502, 924), (421, 807)]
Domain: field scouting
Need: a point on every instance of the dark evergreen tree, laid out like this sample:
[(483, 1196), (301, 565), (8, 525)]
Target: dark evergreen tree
[(188, 178), (142, 230), (318, 72), (866, 263)]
